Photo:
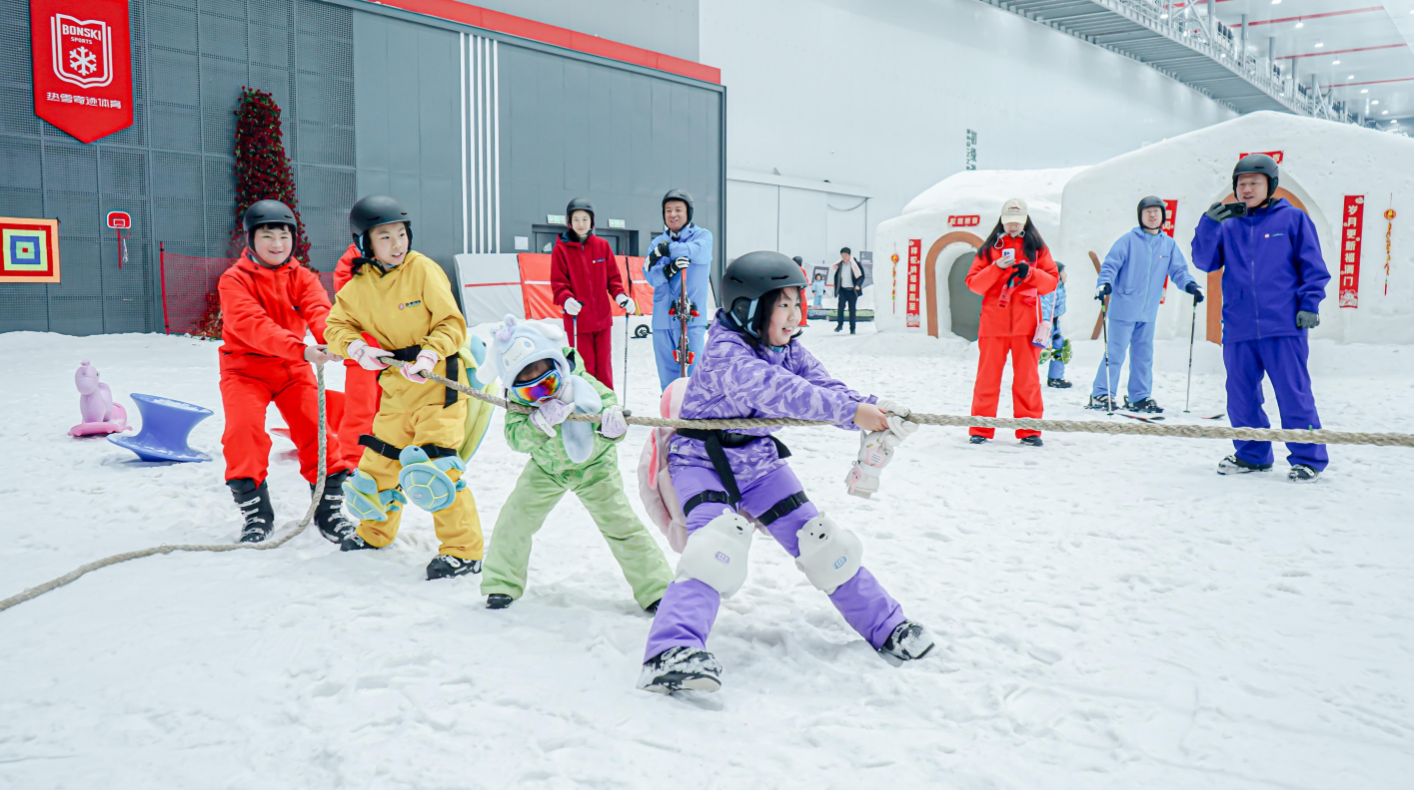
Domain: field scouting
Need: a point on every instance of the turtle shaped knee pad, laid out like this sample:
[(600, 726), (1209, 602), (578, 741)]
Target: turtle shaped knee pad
[(367, 503), (426, 482)]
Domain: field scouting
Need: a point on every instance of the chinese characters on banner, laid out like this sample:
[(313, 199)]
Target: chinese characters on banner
[(915, 252), (83, 80), (1170, 211), (1277, 155), (1352, 223)]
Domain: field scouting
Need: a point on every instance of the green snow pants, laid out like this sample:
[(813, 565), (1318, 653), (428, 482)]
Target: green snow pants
[(600, 487)]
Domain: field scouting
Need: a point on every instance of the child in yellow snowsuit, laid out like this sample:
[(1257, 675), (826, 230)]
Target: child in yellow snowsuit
[(399, 304)]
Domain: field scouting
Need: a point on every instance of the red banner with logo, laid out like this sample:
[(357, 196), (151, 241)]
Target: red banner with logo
[(1352, 227), (915, 255), (1277, 155), (83, 80)]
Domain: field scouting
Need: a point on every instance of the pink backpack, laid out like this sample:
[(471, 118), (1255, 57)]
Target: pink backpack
[(655, 485)]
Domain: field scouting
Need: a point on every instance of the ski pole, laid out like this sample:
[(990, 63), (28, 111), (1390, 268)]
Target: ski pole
[(1109, 385), (1192, 333), (628, 319)]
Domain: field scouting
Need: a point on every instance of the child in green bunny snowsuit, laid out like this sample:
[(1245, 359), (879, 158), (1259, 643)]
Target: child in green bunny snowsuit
[(564, 456)]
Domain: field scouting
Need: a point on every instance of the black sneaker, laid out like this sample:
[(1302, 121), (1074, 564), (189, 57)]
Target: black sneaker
[(329, 514), (1032, 441), (1060, 384), (1301, 473), (352, 542), (498, 601), (256, 510), (445, 565), (679, 668), (1145, 406), (652, 608), (1101, 403), (977, 440), (1232, 465), (908, 642)]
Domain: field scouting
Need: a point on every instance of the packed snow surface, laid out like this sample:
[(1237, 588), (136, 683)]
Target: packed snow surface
[(1111, 613)]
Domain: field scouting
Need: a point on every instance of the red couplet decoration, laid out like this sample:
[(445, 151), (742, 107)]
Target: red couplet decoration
[(83, 77)]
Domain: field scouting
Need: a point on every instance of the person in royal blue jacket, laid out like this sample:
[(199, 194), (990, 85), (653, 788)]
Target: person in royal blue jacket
[(1274, 279), (684, 250), (1133, 277)]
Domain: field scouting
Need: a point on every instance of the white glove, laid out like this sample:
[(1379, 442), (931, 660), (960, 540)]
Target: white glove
[(550, 414), (367, 357), (876, 449), (627, 304), (894, 407), (612, 423), (573, 306), (425, 362)]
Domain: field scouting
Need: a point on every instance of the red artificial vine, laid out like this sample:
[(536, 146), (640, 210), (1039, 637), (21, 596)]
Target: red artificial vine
[(262, 168)]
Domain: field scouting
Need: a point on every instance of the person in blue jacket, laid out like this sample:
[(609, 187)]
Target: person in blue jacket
[(1133, 277), (1274, 279), (683, 250), (1052, 308)]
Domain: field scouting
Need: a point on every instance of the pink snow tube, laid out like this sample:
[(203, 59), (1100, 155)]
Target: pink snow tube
[(655, 485), (96, 407)]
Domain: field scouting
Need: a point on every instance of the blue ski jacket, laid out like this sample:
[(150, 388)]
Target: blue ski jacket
[(1053, 303), (1272, 268), (1136, 267), (695, 244)]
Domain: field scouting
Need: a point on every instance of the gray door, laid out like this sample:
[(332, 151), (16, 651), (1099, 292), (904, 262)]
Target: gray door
[(965, 306)]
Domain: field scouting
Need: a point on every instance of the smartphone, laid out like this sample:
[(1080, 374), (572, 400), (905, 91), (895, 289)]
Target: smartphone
[(1008, 253)]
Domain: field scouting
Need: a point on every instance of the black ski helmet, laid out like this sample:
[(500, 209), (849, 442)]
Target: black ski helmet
[(267, 212), (579, 204), (751, 277), (1152, 201), (372, 211), (680, 194), (1257, 163)]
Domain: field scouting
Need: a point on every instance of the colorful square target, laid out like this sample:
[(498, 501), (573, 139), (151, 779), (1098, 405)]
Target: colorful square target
[(29, 250)]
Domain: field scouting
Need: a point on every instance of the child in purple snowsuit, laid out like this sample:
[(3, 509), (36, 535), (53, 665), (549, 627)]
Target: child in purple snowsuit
[(753, 367)]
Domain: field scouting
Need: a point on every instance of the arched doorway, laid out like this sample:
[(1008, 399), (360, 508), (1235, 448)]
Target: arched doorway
[(930, 265), (1214, 295), (964, 306)]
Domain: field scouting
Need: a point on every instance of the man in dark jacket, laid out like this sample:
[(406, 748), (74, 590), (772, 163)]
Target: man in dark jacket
[(1273, 282), (849, 283)]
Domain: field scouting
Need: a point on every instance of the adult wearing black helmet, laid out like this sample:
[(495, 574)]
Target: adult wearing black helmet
[(679, 257), (1274, 279), (583, 275)]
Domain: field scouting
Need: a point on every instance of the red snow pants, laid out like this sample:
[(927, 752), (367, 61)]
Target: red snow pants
[(362, 394), (597, 351), (1025, 380), (249, 383)]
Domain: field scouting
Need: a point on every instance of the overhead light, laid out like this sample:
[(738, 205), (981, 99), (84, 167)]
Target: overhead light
[(1319, 45), (1163, 16), (1373, 101), (1335, 63), (1276, 2), (1394, 120), (1351, 77), (1364, 90), (1303, 24), (1384, 112)]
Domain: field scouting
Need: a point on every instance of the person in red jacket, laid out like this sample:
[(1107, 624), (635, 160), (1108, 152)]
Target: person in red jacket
[(583, 275), (361, 388), (1013, 268), (268, 300)]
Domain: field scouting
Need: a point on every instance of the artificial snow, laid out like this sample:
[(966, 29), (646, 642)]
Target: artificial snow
[(1110, 612)]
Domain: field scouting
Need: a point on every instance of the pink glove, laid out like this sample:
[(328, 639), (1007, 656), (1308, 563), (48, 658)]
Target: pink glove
[(550, 414), (612, 423), (367, 356), (425, 362)]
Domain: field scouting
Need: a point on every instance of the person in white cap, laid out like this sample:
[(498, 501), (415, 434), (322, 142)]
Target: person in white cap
[(1011, 272)]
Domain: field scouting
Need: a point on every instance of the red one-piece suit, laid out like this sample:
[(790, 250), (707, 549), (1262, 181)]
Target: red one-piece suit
[(586, 271), (264, 314), (361, 388), (1008, 328)]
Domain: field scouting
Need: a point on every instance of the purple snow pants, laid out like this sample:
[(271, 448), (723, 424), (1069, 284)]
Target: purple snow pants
[(689, 607)]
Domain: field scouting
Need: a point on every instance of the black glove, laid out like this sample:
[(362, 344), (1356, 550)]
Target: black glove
[(674, 266), (1019, 272), (1222, 211), (1192, 288), (1305, 319), (1103, 291), (657, 253)]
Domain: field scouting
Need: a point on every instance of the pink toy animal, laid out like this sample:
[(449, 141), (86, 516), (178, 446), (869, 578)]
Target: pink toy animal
[(100, 414)]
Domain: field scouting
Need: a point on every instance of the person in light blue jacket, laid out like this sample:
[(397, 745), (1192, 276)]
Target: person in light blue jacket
[(1133, 277), (1052, 308), (684, 250)]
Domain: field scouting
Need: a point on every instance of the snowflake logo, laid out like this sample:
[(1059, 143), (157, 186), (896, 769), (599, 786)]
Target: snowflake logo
[(83, 61)]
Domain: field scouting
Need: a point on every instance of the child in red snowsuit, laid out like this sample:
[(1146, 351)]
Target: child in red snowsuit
[(583, 275), (361, 389), (268, 300)]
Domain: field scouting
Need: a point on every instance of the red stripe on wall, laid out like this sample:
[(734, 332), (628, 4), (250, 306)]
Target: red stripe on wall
[(1339, 51), (486, 19), (1316, 16)]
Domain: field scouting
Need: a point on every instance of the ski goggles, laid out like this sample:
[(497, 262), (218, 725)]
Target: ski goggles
[(546, 385)]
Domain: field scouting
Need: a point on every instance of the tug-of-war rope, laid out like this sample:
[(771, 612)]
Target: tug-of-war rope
[(1310, 436)]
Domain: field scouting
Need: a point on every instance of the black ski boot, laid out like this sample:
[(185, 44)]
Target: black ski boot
[(679, 668), (1301, 473), (445, 565), (977, 440), (1032, 441), (352, 542), (254, 502), (329, 514), (1100, 403), (1144, 406), (498, 601), (908, 642), (1232, 465), (1060, 384)]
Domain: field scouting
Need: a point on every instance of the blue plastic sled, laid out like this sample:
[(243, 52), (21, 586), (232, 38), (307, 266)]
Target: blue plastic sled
[(166, 424)]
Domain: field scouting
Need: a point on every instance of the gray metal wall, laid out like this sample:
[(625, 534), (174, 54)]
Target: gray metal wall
[(666, 26)]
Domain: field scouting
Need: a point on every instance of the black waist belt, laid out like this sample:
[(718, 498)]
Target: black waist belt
[(409, 354), (716, 441), (393, 451)]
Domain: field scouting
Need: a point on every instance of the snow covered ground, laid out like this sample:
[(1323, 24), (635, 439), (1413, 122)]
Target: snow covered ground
[(1114, 614)]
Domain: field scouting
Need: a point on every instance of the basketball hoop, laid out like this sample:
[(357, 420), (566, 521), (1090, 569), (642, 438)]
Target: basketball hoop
[(121, 221)]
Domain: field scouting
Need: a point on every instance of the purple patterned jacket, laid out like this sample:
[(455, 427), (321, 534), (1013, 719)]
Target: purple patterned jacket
[(733, 378)]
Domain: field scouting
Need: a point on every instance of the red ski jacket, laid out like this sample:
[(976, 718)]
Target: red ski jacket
[(586, 271), (266, 311), (343, 270), (1022, 313)]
